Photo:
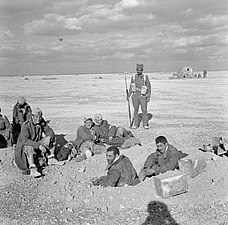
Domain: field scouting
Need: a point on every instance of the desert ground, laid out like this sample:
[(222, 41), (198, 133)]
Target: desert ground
[(189, 112)]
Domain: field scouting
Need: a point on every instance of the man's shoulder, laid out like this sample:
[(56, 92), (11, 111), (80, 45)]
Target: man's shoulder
[(81, 128), (153, 154), (172, 149), (123, 160)]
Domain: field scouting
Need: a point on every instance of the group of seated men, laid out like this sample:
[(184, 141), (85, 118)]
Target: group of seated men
[(35, 148)]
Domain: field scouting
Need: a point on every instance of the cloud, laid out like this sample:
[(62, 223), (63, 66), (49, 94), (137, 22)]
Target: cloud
[(53, 24), (147, 30), (13, 7)]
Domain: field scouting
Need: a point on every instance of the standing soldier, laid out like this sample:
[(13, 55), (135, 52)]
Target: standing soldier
[(140, 88)]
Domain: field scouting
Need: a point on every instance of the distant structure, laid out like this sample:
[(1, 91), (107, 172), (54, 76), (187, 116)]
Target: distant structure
[(184, 72), (188, 72)]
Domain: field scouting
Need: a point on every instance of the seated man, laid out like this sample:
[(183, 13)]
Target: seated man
[(164, 159), (36, 137), (120, 171), (109, 134), (6, 130), (86, 140), (21, 113)]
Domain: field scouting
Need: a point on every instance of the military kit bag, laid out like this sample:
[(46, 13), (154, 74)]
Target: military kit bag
[(144, 90)]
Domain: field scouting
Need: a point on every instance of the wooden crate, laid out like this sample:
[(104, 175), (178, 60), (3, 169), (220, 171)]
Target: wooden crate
[(192, 167), (171, 186)]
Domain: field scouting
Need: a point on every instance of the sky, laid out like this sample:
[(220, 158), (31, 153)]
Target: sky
[(105, 36)]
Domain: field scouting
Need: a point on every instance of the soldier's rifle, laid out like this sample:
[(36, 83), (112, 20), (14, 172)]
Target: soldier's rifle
[(128, 102)]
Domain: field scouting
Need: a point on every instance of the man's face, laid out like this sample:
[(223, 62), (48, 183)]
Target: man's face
[(36, 119), (110, 157), (98, 121), (88, 124), (139, 72), (161, 147)]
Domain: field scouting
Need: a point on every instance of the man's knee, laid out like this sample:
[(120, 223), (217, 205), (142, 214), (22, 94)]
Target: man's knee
[(29, 150), (46, 141), (120, 132)]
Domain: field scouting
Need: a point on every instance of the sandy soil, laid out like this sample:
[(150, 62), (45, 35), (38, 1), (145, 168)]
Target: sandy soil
[(188, 112)]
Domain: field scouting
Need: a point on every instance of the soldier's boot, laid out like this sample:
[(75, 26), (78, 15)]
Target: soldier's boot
[(33, 171)]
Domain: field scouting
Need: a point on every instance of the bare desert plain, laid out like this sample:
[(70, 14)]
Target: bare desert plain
[(189, 112)]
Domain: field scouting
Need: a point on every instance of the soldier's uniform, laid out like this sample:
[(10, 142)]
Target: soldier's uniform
[(140, 89)]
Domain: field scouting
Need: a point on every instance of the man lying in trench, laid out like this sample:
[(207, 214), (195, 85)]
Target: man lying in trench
[(164, 159), (120, 171), (113, 135)]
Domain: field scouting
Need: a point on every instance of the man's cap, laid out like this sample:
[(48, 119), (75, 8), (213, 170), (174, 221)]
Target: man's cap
[(37, 111), (21, 100), (139, 67), (98, 117), (88, 119)]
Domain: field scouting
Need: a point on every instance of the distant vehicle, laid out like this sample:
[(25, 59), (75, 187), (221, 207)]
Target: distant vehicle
[(184, 72), (187, 72), (60, 39)]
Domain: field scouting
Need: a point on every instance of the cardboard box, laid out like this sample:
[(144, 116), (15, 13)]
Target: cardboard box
[(192, 167), (171, 186)]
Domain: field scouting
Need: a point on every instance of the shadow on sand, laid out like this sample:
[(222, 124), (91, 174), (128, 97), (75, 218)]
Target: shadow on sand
[(158, 214), (149, 115)]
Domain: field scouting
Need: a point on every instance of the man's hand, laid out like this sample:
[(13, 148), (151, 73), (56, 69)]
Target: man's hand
[(110, 138), (42, 149), (147, 99), (150, 172), (95, 181)]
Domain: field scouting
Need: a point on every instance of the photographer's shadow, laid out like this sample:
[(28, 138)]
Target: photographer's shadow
[(158, 214)]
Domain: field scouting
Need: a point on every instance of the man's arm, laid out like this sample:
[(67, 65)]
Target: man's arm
[(110, 180), (26, 138), (112, 131), (151, 160), (7, 123), (81, 132), (148, 84), (170, 165)]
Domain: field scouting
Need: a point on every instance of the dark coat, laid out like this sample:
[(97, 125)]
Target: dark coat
[(31, 137), (18, 116), (6, 130), (83, 134), (162, 163), (120, 173), (105, 130), (4, 123)]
